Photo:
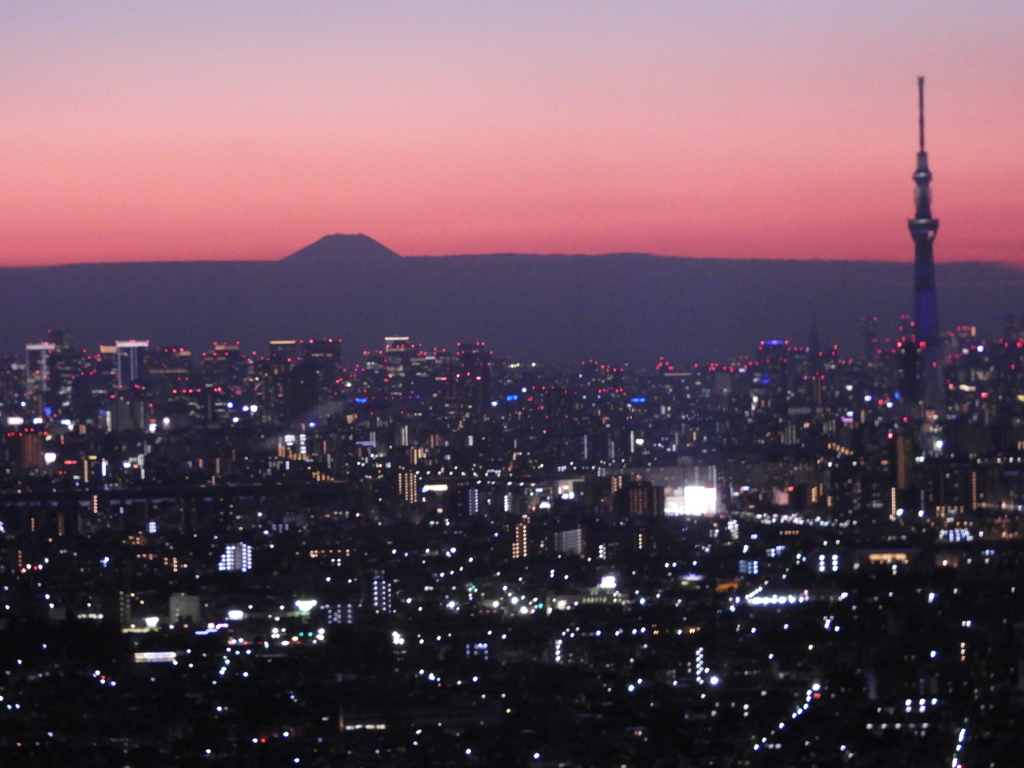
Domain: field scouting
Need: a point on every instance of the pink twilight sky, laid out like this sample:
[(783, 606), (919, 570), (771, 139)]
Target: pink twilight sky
[(237, 130)]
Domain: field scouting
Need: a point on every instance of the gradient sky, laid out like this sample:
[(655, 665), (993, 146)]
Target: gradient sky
[(777, 129)]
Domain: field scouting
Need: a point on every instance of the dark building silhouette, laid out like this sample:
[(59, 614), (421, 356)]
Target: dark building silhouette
[(638, 497), (870, 337), (302, 391), (325, 355), (926, 314), (225, 365), (473, 376)]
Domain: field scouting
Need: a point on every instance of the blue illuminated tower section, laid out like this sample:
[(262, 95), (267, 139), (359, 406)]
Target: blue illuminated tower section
[(926, 314)]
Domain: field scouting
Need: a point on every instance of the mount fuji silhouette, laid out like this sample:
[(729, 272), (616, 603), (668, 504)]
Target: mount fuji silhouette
[(343, 247)]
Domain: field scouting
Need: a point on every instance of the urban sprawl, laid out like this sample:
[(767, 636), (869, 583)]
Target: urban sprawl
[(421, 557)]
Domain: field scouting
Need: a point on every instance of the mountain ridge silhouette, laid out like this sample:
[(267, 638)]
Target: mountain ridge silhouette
[(618, 308)]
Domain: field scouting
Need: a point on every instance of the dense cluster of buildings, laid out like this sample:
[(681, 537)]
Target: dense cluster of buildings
[(432, 557), (426, 557)]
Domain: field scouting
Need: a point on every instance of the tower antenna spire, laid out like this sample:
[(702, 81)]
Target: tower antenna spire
[(920, 111)]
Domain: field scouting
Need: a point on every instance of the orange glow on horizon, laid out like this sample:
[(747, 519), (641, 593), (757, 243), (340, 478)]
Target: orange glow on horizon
[(193, 132)]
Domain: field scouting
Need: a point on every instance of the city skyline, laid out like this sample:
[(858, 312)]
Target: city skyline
[(189, 132), (424, 557), (677, 458)]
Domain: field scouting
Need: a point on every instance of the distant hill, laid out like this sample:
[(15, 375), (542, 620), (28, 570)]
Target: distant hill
[(616, 308)]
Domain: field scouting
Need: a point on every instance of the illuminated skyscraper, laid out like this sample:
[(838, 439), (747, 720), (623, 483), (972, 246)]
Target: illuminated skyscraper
[(521, 539), (408, 486), (397, 361), (236, 557), (128, 361), (37, 366), (926, 314), (569, 542), (380, 592)]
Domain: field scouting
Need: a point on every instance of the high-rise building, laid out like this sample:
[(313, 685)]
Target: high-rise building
[(236, 557), (408, 486), (473, 501), (169, 367), (473, 376), (639, 497), (30, 445), (184, 607), (301, 392), (340, 613), (923, 228), (37, 367), (324, 355), (568, 542), (520, 539), (129, 361), (285, 350), (397, 361), (380, 592), (61, 337), (65, 364), (127, 411), (117, 608), (225, 365)]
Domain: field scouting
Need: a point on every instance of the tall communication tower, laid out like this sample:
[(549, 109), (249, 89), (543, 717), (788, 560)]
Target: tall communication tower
[(923, 228)]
